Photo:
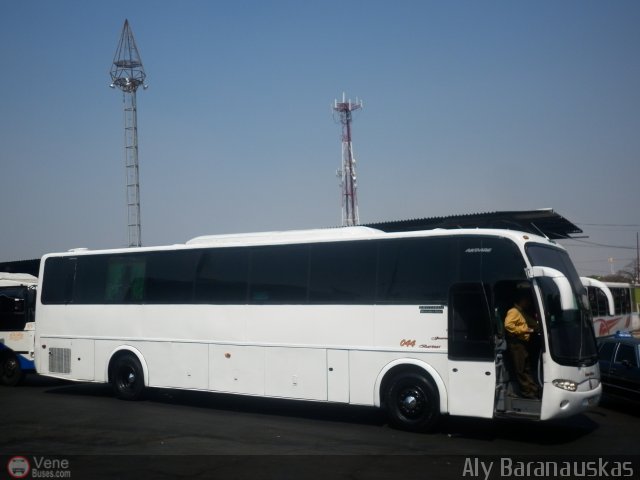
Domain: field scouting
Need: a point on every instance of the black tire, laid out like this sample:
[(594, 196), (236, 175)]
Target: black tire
[(127, 377), (412, 402), (11, 374)]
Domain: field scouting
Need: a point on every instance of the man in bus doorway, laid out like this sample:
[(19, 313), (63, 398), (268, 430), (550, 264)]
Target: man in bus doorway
[(521, 327)]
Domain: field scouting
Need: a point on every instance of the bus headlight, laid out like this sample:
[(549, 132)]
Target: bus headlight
[(566, 385)]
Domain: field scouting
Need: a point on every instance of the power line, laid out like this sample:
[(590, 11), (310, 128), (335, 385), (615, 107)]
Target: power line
[(609, 224), (596, 244), (604, 260)]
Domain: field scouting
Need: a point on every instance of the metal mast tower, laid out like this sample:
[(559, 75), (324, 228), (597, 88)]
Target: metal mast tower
[(127, 73), (347, 174)]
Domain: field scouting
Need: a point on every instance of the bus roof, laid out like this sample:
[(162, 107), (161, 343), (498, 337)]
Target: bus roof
[(316, 235), (348, 233), (592, 282), (16, 279), (291, 236), (618, 284)]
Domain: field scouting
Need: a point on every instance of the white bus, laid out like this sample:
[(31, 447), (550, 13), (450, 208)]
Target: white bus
[(613, 306), (17, 333), (411, 322)]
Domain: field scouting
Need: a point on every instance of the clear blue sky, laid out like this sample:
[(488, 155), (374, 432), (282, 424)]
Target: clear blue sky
[(469, 107)]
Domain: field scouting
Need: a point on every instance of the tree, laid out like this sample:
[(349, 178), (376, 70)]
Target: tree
[(626, 275)]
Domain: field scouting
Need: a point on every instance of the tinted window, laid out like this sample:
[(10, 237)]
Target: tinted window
[(91, 277), (621, 300), (606, 351), (470, 330), (125, 279), (342, 273), (413, 271), (546, 256), (170, 276), (222, 276), (598, 301), (279, 274), (59, 273), (12, 299), (484, 259), (628, 353), (571, 335), (14, 308)]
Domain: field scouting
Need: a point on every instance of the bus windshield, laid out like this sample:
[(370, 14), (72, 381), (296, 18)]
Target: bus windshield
[(571, 338)]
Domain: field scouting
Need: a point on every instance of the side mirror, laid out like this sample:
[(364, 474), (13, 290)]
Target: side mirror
[(590, 282), (567, 299)]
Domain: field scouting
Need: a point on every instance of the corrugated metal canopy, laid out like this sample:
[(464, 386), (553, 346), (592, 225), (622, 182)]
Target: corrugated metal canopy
[(544, 222)]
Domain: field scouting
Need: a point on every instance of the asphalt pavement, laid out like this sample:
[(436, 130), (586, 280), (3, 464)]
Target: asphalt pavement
[(202, 435)]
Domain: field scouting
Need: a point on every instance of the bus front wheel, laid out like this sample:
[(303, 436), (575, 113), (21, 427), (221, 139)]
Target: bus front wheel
[(127, 377), (11, 374), (412, 402)]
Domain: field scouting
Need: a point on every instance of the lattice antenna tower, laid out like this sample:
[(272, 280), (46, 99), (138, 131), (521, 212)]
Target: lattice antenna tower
[(127, 74), (347, 174)]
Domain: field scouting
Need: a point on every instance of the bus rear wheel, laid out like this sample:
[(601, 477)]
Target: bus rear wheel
[(412, 402), (11, 374), (127, 377)]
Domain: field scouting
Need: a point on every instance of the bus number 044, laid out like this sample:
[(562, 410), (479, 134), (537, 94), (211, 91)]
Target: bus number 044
[(407, 343)]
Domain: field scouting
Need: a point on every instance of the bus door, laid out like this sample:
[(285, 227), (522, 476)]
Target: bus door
[(472, 370)]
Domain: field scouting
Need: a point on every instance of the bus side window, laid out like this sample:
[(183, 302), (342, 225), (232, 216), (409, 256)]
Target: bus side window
[(470, 331), (601, 303), (169, 277), (622, 300), (343, 274), (414, 270), (279, 275), (598, 302), (60, 273), (626, 300), (125, 280), (223, 276)]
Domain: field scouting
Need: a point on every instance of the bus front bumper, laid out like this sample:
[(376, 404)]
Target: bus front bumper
[(560, 403)]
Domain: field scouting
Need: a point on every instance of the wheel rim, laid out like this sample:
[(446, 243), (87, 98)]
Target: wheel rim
[(127, 378), (412, 402)]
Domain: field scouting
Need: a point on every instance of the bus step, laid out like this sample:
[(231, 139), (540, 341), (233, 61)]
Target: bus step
[(525, 406)]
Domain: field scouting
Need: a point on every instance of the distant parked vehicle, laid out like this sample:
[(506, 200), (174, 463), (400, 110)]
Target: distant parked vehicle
[(17, 328), (614, 306), (620, 365)]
